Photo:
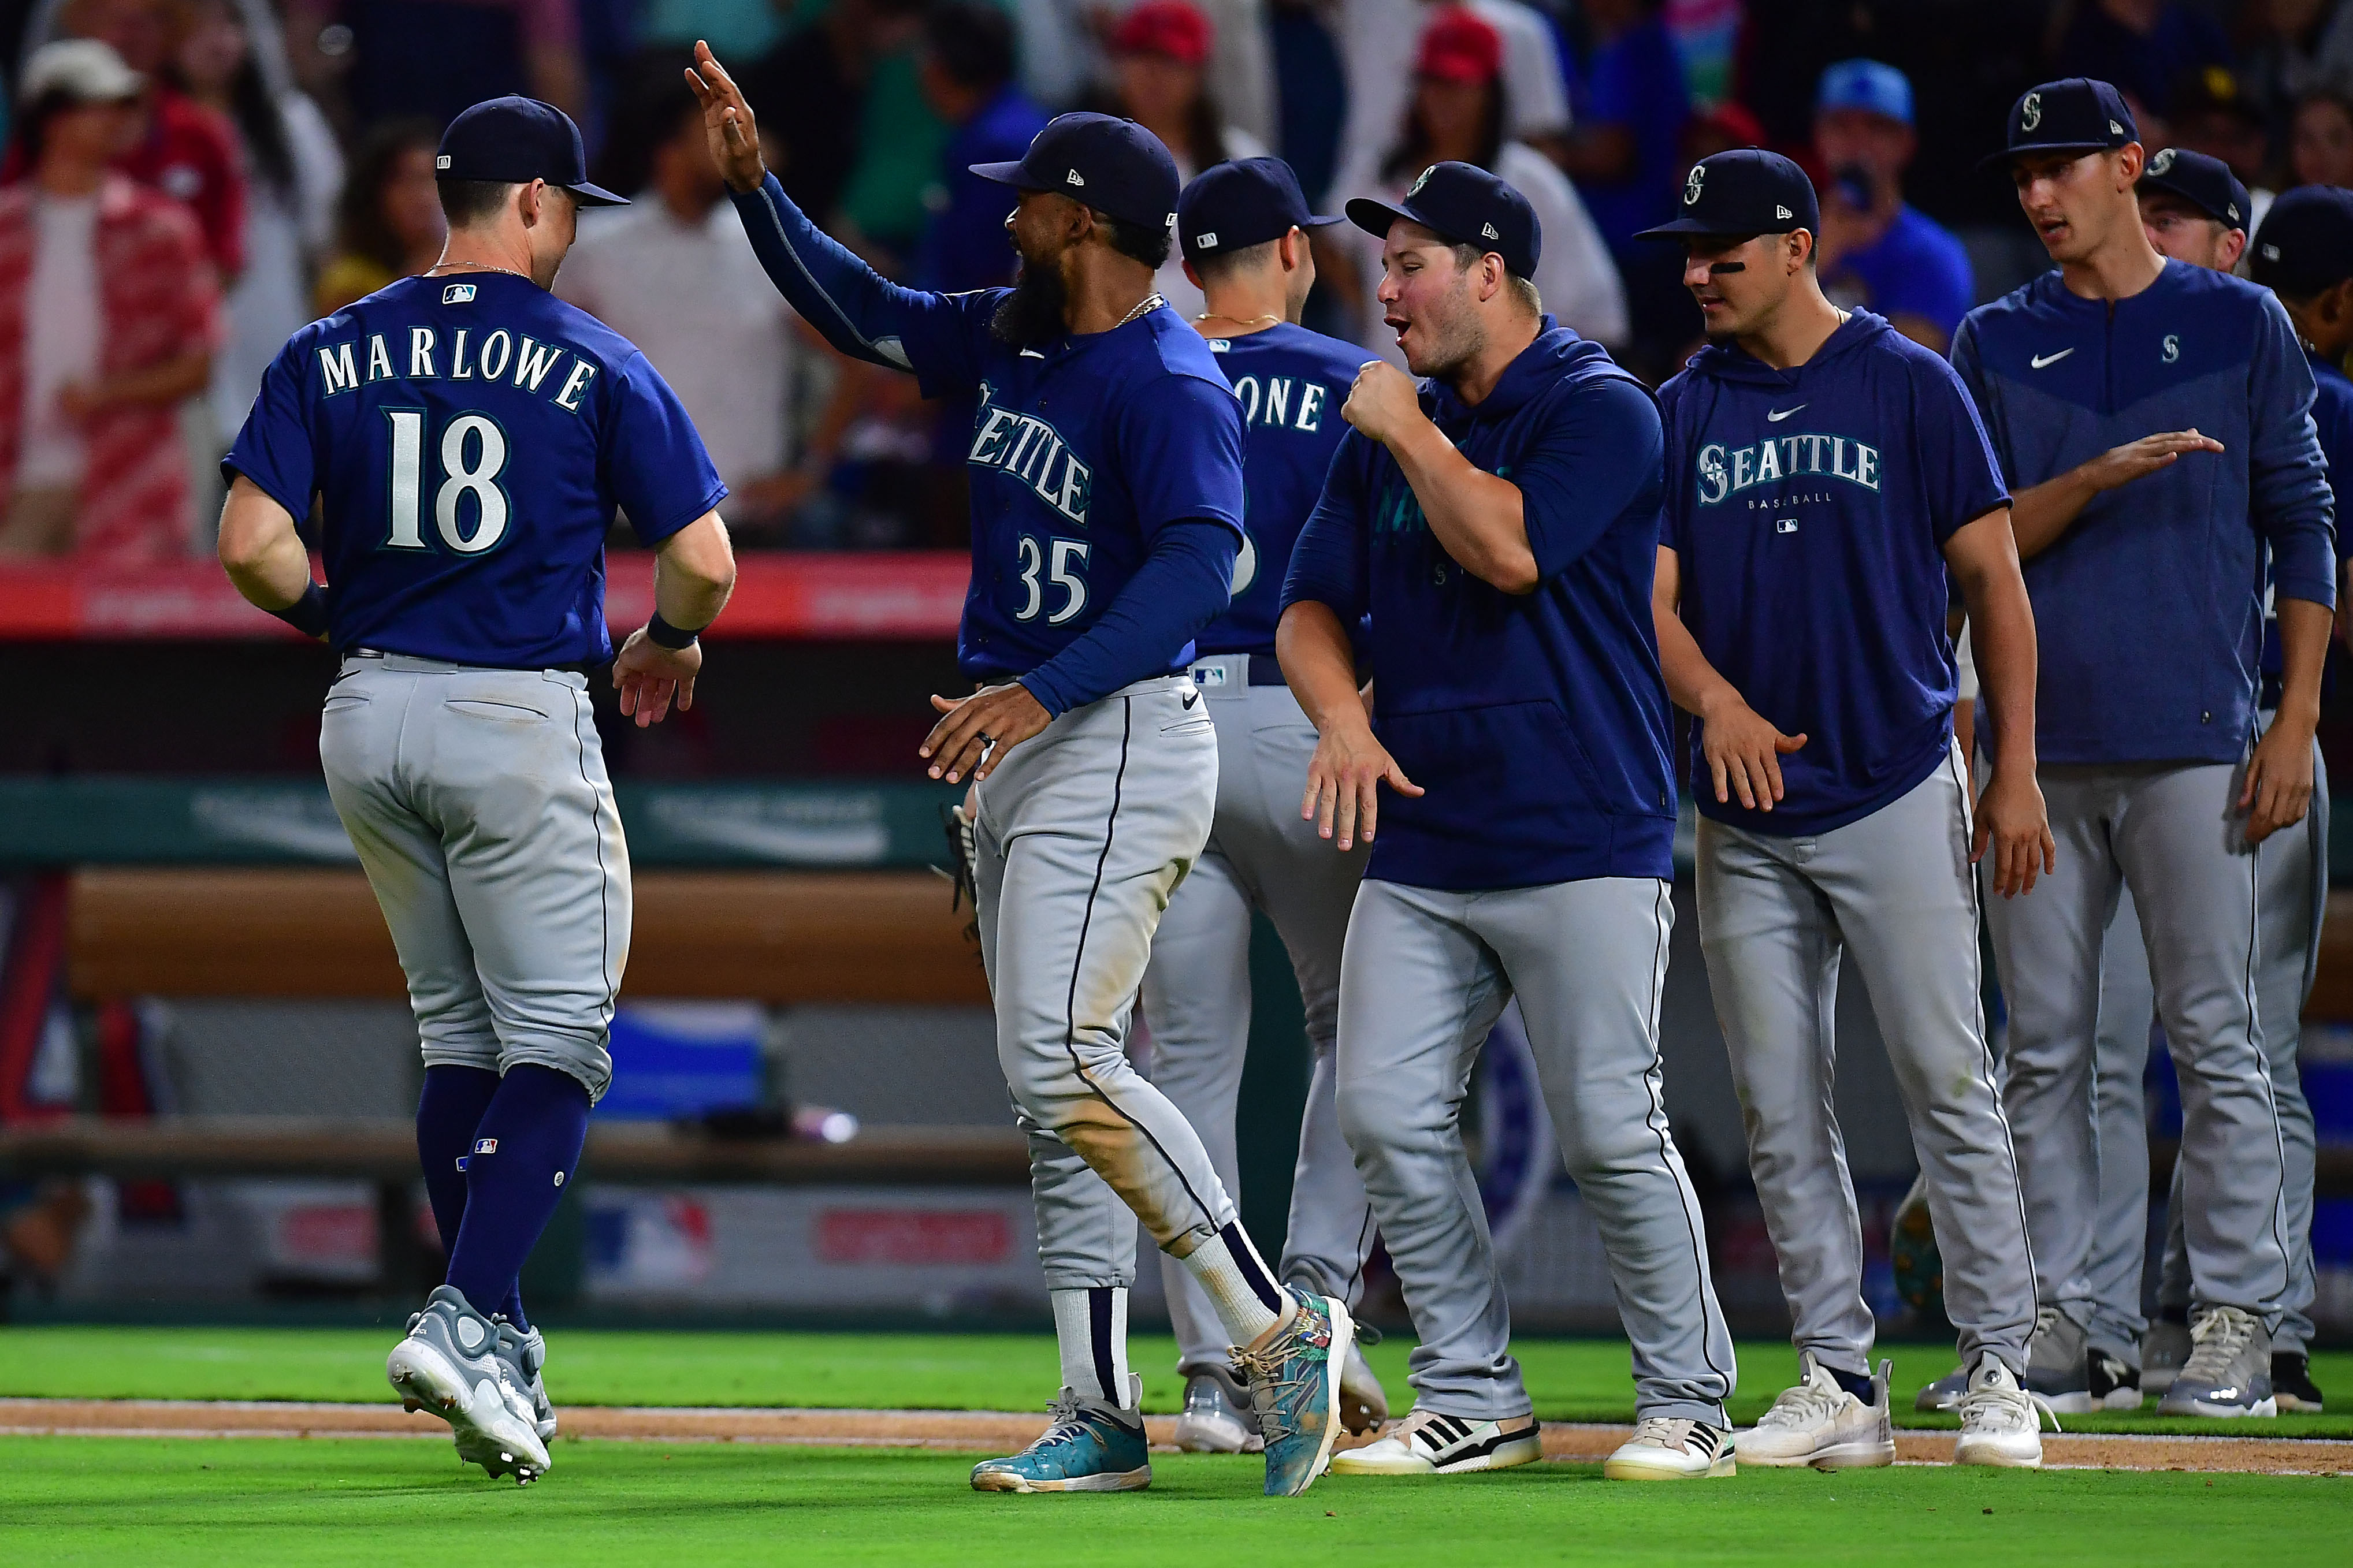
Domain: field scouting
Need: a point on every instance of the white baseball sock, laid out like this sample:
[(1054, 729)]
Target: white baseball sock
[(1240, 1286), (1090, 1327)]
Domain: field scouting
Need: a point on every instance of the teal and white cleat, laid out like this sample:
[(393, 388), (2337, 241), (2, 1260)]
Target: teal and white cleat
[(1295, 1386), (526, 1354), (1089, 1448), (449, 1366)]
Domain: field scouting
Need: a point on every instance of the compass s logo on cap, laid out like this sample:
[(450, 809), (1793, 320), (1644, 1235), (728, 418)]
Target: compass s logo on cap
[(2163, 163), (1692, 183), (2029, 112)]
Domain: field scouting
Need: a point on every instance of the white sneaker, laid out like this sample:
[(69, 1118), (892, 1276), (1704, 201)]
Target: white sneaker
[(1670, 1448), (1817, 1423), (1428, 1444), (1364, 1404), (1216, 1418), (2002, 1424)]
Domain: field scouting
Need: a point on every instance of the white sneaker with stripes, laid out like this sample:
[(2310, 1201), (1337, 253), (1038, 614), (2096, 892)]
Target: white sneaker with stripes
[(1670, 1448), (1427, 1443)]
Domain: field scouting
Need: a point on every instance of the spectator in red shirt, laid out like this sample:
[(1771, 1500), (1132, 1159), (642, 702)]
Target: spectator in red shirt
[(109, 316), (182, 149)]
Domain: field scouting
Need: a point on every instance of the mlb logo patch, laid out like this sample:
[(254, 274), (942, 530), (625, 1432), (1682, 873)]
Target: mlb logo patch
[(1209, 675), (457, 294), (486, 1145)]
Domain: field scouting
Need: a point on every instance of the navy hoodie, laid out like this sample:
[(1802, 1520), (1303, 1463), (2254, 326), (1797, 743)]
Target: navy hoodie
[(1808, 510), (1537, 722), (2148, 610)]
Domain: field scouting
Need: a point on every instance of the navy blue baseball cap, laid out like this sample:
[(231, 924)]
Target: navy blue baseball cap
[(1235, 205), (1463, 205), (1869, 85), (1111, 164), (515, 140), (2305, 244), (2206, 184), (1744, 192), (2075, 115)]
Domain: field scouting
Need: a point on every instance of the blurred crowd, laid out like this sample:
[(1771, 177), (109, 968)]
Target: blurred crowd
[(186, 181)]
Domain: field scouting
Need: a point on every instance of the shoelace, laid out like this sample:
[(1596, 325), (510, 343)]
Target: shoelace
[(1802, 1405), (1257, 1369), (1666, 1431), (1979, 1404), (1064, 1425), (2217, 1339)]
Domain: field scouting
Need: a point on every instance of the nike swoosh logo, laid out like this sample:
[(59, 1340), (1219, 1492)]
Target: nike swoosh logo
[(1776, 417), (1190, 701), (2039, 360)]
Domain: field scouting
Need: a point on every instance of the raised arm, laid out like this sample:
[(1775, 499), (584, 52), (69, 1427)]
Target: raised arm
[(860, 312)]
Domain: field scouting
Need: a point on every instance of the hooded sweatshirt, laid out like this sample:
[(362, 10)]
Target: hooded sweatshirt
[(1536, 723), (1808, 510), (2148, 610)]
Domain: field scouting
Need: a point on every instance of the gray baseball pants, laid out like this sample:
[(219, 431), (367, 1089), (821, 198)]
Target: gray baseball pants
[(2171, 834), (479, 807), (1197, 993), (1777, 915), (2291, 898), (1423, 977), (1085, 832)]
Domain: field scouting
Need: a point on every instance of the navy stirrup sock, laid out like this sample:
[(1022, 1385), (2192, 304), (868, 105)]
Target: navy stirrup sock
[(447, 1111), (525, 1148)]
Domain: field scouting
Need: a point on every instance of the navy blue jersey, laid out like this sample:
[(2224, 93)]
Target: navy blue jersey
[(1537, 722), (470, 438), (2148, 610), (2332, 421), (1808, 509), (1291, 384), (1080, 453)]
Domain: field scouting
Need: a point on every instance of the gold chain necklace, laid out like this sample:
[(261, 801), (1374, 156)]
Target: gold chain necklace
[(1269, 318), (479, 267), (1145, 306)]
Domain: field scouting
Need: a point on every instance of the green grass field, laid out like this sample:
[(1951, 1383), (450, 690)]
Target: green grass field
[(259, 1502), (1571, 1380)]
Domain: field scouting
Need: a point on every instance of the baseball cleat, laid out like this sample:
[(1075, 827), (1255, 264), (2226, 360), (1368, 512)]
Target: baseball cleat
[(526, 1354), (1087, 1447), (1427, 1443), (2112, 1381), (2292, 1385), (1670, 1448), (2058, 1369), (1217, 1417), (1945, 1393), (1364, 1404), (2229, 1373), (2002, 1423), (449, 1366), (2163, 1350), (1295, 1386), (1817, 1423)]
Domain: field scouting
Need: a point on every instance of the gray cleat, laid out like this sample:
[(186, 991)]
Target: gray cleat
[(2163, 1350), (2229, 1372), (2058, 1362), (1945, 1393), (1363, 1403), (449, 1366), (1217, 1417), (526, 1354)]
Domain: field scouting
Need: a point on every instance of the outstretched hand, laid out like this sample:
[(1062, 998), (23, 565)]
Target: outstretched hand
[(650, 676), (727, 125), (1344, 783), (1744, 752), (2134, 459)]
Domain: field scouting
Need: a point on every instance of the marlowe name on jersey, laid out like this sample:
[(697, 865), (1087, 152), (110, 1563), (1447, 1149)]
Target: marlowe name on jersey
[(493, 357), (1724, 472)]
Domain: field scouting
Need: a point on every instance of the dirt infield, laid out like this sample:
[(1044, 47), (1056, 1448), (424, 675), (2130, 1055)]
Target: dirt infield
[(982, 1431)]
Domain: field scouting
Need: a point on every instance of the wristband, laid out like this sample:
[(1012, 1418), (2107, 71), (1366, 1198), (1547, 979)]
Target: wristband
[(661, 633), (307, 615)]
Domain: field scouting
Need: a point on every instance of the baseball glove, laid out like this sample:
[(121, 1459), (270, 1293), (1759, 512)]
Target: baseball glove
[(958, 872)]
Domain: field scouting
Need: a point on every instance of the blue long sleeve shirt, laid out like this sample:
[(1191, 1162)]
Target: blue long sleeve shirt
[(2148, 610), (1106, 467), (1536, 723)]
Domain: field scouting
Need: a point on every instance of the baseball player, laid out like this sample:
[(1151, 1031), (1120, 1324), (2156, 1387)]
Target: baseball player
[(1106, 467), (1243, 228), (1500, 527), (2152, 420), (1824, 473), (470, 436)]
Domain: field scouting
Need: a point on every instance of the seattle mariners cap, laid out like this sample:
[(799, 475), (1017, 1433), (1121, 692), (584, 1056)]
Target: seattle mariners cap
[(1113, 165), (1868, 85), (1463, 205), (2077, 115), (2307, 242), (1242, 203), (515, 140), (2206, 184), (1744, 192)]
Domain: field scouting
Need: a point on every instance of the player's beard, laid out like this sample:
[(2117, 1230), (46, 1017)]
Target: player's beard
[(1034, 312), (1450, 338)]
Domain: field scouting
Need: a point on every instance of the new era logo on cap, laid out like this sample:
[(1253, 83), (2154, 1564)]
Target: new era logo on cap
[(1206, 242), (1073, 178), (1487, 231), (1780, 212), (441, 160)]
